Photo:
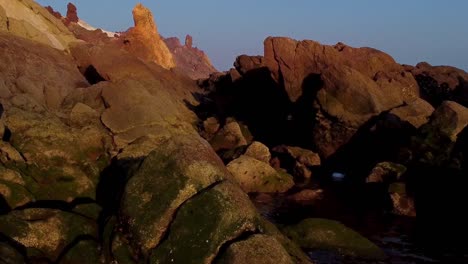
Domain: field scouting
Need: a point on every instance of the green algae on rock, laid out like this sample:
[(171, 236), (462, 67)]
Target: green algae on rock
[(314, 233)]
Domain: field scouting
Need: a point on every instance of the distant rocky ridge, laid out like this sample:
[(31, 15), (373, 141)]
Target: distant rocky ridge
[(145, 42)]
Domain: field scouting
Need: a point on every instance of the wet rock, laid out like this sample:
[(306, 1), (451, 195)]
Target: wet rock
[(386, 172), (307, 196), (256, 249), (322, 234), (259, 151), (257, 176)]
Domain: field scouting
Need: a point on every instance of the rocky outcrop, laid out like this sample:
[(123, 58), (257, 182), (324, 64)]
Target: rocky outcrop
[(190, 60), (72, 14), (144, 41), (441, 83), (26, 18)]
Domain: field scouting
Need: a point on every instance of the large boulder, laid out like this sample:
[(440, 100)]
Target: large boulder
[(43, 74), (441, 83), (347, 86), (144, 41), (26, 18)]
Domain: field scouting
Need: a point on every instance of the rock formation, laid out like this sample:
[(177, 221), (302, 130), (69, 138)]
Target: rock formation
[(144, 41), (190, 60), (72, 15), (26, 18)]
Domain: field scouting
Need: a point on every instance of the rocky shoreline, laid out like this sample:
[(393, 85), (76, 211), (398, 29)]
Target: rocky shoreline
[(132, 148)]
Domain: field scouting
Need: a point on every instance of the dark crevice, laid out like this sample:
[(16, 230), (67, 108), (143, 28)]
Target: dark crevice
[(92, 75), (166, 234), (246, 235), (75, 242), (6, 135)]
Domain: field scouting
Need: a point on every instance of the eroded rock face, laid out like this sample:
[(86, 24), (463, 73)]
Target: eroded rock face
[(190, 60), (26, 18), (144, 41), (72, 14)]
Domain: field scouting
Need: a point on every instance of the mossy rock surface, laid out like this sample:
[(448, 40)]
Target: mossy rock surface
[(205, 223), (85, 251), (259, 249), (323, 234), (296, 253), (15, 194), (168, 177), (257, 176), (45, 231)]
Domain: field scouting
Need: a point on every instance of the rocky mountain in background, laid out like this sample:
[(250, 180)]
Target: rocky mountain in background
[(109, 154), (144, 41), (190, 60)]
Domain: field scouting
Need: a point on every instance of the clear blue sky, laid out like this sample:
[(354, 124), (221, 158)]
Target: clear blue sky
[(411, 31)]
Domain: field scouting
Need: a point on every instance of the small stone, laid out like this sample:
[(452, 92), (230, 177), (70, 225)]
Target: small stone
[(259, 151)]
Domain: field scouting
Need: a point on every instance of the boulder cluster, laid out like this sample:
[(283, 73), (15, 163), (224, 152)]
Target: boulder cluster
[(111, 152)]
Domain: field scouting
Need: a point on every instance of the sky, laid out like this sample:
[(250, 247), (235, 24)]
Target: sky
[(411, 31)]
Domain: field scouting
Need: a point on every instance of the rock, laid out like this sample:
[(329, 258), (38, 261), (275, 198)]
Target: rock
[(244, 63), (297, 160), (28, 19), (259, 249), (307, 196), (450, 119), (166, 179), (3, 20), (62, 163), (44, 74), (30, 227), (441, 83), (72, 15), (416, 113), (229, 137), (322, 234), (257, 176), (386, 172), (10, 255), (85, 251), (209, 220), (211, 125), (9, 154), (53, 12), (188, 41), (326, 78), (259, 151), (402, 203), (83, 115), (189, 60), (144, 41)]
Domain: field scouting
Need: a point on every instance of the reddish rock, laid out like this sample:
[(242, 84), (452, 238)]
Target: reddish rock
[(72, 14), (346, 86), (53, 12), (440, 83), (190, 60), (306, 196), (246, 63), (144, 41), (188, 41)]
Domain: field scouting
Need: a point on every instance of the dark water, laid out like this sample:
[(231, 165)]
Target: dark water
[(397, 235)]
